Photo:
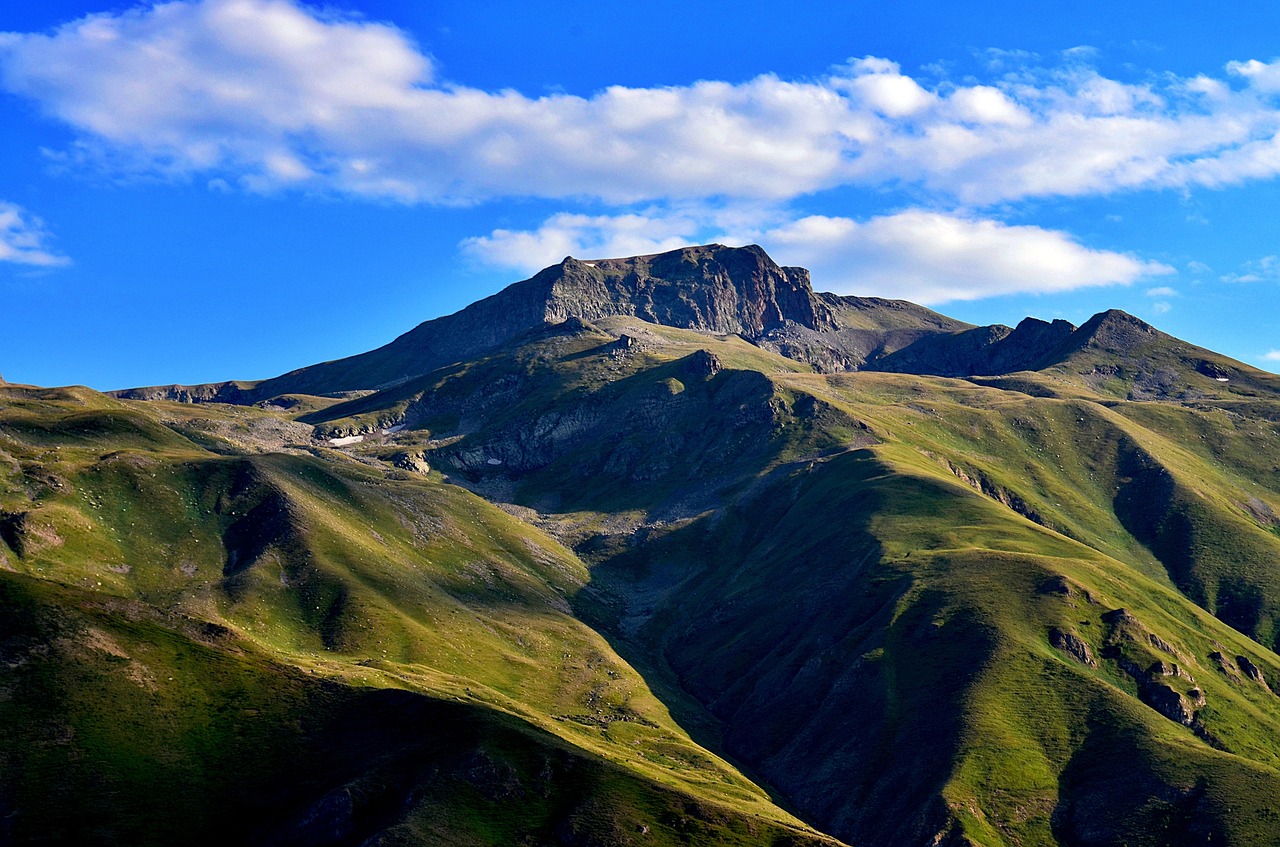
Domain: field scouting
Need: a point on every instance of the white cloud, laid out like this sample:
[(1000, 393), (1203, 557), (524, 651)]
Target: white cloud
[(983, 104), (1161, 307), (880, 84), (927, 257), (584, 237), (24, 240), (1162, 291), (1266, 269), (1263, 76), (270, 94), (1081, 51), (930, 257), (1271, 356)]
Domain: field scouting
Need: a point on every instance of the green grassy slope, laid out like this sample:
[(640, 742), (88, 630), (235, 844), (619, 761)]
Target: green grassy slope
[(1038, 608), (128, 726), (356, 575), (932, 609), (893, 633), (1184, 493)]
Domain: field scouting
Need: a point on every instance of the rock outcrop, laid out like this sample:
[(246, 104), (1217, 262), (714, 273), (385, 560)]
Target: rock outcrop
[(411, 461), (1252, 671), (1073, 646)]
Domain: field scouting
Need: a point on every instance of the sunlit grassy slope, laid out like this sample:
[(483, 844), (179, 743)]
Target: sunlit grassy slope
[(903, 648), (282, 586), (1038, 608), (1000, 611)]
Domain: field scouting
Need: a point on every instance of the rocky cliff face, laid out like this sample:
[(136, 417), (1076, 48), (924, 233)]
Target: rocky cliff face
[(713, 288), (235, 393)]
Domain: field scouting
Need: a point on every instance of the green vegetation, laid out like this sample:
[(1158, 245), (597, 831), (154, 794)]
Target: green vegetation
[(319, 577), (614, 582)]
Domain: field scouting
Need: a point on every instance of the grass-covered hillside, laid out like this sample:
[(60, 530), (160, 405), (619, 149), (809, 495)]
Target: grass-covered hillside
[(919, 608), (615, 582), (213, 628)]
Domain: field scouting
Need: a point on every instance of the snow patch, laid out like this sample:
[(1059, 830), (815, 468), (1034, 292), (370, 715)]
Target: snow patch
[(494, 462), (343, 442), (392, 429)]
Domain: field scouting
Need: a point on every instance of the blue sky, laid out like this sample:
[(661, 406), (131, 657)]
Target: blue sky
[(213, 189)]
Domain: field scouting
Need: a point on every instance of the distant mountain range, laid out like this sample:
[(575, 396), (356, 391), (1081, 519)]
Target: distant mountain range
[(660, 550)]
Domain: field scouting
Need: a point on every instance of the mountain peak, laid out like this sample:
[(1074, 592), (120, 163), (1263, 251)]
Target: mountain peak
[(1119, 317), (708, 287), (1116, 331)]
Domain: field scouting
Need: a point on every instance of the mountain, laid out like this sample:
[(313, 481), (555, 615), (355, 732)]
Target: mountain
[(681, 553), (741, 291), (713, 288), (1112, 353)]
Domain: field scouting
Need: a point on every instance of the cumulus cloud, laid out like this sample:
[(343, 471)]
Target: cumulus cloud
[(277, 96), (930, 257), (1261, 74), (925, 256), (24, 239), (271, 94), (880, 85), (1271, 356)]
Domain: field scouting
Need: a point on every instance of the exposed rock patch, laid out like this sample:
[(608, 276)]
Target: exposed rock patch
[(979, 481), (1214, 370), (1261, 511), (407, 461), (25, 533), (1073, 646), (1167, 687), (574, 325), (702, 364), (12, 530), (1251, 671)]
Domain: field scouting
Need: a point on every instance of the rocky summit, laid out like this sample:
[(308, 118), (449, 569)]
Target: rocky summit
[(660, 550), (718, 289)]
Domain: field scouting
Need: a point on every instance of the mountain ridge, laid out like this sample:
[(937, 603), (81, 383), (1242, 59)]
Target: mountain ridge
[(712, 288), (718, 290)]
